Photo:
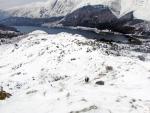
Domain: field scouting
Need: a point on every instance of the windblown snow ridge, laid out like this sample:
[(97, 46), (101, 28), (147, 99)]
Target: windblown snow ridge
[(46, 74)]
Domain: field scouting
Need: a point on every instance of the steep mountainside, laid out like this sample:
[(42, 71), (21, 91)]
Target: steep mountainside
[(51, 8)]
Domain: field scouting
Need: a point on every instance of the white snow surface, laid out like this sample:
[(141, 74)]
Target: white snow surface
[(45, 74)]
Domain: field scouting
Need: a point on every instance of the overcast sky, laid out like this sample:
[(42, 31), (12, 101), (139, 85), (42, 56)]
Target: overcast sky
[(4, 4)]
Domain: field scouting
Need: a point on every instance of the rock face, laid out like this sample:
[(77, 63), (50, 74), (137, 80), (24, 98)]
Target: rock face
[(4, 95), (100, 83)]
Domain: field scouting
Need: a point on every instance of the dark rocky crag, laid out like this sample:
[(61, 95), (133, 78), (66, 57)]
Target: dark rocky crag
[(102, 18)]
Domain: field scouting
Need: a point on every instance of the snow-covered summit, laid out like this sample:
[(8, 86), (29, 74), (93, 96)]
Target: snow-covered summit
[(46, 73)]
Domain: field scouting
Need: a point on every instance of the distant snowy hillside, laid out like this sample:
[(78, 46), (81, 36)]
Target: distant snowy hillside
[(3, 15), (51, 8), (55, 8), (48, 74)]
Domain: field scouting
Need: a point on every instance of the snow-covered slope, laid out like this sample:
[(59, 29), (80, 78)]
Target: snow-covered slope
[(46, 74)]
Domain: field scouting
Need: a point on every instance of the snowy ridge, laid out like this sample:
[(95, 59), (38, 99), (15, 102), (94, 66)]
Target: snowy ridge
[(46, 74)]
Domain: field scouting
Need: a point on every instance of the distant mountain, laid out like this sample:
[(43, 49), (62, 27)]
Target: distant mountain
[(38, 13), (44, 9), (51, 8), (56, 8), (98, 16), (22, 21), (86, 13), (102, 18)]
